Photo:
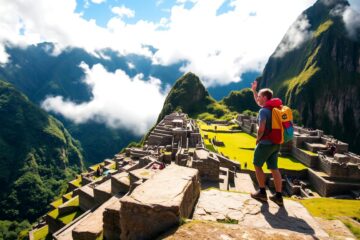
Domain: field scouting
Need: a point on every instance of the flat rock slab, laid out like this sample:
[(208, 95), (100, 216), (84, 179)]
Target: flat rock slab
[(215, 205), (159, 203), (243, 183), (92, 227), (219, 231)]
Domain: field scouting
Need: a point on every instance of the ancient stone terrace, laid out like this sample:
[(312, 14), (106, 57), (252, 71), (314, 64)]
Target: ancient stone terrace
[(144, 191), (175, 130), (328, 174)]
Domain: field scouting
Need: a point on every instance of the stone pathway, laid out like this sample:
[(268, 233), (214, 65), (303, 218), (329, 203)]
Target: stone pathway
[(230, 207)]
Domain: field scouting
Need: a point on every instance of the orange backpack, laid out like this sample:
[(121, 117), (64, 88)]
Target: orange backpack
[(282, 130)]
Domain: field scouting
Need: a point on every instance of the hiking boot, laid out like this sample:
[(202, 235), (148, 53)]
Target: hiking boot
[(276, 199), (259, 196)]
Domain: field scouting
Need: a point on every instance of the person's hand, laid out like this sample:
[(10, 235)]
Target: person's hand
[(254, 85)]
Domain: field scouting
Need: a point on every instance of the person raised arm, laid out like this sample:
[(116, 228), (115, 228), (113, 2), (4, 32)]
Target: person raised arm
[(253, 89)]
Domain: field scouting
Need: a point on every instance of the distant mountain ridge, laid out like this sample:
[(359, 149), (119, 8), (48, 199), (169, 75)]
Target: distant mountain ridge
[(37, 156), (321, 78)]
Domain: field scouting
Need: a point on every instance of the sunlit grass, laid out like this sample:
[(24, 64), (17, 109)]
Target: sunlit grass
[(57, 203), (68, 218), (240, 147), (341, 209), (41, 233)]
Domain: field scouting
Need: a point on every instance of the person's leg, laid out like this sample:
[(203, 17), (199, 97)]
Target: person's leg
[(260, 156), (272, 165), (277, 179), (260, 176)]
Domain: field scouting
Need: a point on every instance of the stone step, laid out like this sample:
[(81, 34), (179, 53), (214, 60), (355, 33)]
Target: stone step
[(120, 183), (92, 227), (243, 183), (102, 192), (159, 203), (111, 220), (237, 208), (86, 197)]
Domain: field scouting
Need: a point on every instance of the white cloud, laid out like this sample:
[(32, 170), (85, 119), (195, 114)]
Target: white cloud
[(118, 100), (123, 12), (296, 35), (352, 22), (219, 48), (131, 65), (98, 1), (4, 57)]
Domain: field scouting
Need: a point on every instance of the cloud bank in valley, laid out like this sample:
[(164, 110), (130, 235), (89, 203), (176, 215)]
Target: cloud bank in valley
[(118, 100)]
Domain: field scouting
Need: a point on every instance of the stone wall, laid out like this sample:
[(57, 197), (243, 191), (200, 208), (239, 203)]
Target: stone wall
[(330, 188), (111, 222), (308, 160), (120, 183), (159, 203), (337, 169), (228, 163), (208, 168)]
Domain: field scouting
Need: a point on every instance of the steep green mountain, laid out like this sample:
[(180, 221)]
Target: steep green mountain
[(190, 96), (321, 78), (240, 101), (37, 157)]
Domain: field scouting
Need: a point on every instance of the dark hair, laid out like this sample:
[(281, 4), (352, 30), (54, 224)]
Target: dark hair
[(267, 92)]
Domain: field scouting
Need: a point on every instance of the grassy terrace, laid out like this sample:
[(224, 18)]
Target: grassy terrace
[(240, 147), (308, 152), (68, 196), (77, 182), (41, 233), (57, 203), (72, 202), (94, 167), (347, 211)]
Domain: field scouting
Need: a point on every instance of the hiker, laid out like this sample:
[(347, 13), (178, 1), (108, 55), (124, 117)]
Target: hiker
[(266, 150), (98, 171)]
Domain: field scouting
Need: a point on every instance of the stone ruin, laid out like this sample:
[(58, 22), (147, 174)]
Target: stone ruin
[(156, 185), (329, 173), (148, 190)]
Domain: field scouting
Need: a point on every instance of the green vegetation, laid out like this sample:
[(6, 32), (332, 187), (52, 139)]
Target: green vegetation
[(347, 211), (240, 101), (66, 219), (57, 203), (41, 233), (189, 95), (68, 196), (240, 147), (13, 230), (309, 152), (77, 182), (37, 157), (321, 73), (228, 221), (323, 27)]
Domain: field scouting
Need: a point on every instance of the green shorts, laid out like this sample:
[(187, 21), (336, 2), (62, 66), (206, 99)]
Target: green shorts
[(266, 153)]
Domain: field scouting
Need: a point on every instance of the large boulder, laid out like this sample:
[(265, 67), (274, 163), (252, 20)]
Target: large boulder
[(159, 203)]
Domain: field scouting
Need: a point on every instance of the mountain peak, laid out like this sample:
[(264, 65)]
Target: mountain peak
[(187, 95)]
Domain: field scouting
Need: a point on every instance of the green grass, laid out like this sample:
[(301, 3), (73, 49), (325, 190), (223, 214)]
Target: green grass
[(54, 213), (57, 203), (341, 209), (66, 219), (240, 147), (68, 196), (41, 233), (77, 182), (94, 167), (309, 152), (323, 27), (73, 202)]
